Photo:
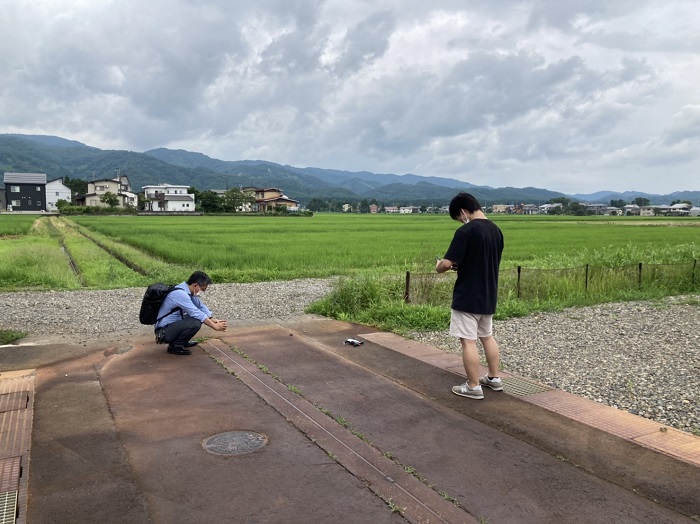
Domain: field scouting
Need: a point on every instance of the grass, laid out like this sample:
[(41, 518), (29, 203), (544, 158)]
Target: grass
[(8, 336), (565, 261)]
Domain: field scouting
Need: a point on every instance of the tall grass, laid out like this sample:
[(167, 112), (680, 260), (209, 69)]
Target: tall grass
[(12, 224)]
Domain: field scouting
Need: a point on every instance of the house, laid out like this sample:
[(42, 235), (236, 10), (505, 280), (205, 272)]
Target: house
[(268, 198), (681, 209), (499, 208), (118, 186), (168, 198), (391, 209), (373, 208), (55, 191), (548, 208), (408, 210), (530, 209), (595, 208), (631, 209), (694, 211), (25, 191)]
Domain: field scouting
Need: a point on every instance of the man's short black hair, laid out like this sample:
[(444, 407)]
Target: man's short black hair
[(463, 201), (199, 277)]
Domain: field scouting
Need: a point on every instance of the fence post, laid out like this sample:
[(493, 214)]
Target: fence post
[(639, 278), (407, 290), (518, 285), (586, 285), (692, 275)]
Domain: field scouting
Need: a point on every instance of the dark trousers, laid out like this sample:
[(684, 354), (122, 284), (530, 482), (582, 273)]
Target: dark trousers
[(181, 331)]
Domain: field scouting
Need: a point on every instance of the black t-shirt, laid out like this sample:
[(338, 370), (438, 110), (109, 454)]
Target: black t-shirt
[(476, 249)]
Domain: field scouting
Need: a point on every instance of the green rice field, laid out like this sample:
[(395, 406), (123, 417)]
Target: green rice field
[(263, 248)]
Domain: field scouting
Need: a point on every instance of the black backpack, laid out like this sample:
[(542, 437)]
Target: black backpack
[(152, 300)]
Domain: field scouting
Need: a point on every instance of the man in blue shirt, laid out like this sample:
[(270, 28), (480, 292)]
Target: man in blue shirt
[(184, 313)]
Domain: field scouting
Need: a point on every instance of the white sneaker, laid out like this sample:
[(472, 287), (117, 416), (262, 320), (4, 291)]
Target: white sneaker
[(494, 383), (465, 391)]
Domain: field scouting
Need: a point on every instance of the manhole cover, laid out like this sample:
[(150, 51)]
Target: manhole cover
[(234, 442)]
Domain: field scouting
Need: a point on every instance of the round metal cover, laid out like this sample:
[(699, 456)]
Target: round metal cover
[(234, 443)]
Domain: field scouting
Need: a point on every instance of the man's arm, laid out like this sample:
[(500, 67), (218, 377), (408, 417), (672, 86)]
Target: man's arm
[(443, 265)]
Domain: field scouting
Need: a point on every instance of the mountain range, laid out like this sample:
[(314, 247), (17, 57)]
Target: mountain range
[(59, 157)]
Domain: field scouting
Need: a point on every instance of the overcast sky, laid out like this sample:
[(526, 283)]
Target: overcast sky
[(572, 96)]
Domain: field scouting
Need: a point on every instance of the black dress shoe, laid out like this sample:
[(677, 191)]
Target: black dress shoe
[(191, 343), (178, 350)]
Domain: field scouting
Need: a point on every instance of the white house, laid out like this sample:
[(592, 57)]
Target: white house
[(694, 211), (55, 191), (167, 197)]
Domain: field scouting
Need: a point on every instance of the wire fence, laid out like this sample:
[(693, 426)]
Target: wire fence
[(532, 284)]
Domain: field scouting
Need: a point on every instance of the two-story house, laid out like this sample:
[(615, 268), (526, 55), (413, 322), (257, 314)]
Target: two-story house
[(118, 186), (268, 198), (168, 197), (56, 190), (25, 191)]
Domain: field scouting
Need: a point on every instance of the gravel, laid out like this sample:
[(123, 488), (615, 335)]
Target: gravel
[(642, 357)]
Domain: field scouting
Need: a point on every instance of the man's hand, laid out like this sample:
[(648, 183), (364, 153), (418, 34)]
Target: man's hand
[(216, 324)]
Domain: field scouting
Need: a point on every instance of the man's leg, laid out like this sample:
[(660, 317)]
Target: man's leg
[(179, 333), (492, 353), (470, 359)]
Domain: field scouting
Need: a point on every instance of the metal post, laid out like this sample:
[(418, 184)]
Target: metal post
[(586, 286), (518, 286), (407, 290), (639, 278)]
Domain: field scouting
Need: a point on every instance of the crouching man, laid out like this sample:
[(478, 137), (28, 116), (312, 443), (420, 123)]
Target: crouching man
[(184, 313)]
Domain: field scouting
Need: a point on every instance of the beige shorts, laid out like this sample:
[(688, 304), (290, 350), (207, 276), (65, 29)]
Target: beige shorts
[(470, 326)]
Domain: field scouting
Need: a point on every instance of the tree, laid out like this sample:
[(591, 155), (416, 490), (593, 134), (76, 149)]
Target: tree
[(234, 200), (210, 202), (618, 203), (110, 199), (577, 209), (364, 206), (316, 204), (641, 202), (62, 205), (76, 186)]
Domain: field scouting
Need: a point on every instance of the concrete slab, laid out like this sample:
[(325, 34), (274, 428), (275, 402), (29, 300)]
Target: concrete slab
[(354, 434)]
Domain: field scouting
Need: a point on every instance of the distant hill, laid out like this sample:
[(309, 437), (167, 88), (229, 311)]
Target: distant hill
[(58, 157)]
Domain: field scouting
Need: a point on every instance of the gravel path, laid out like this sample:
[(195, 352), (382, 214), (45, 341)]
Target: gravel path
[(643, 357)]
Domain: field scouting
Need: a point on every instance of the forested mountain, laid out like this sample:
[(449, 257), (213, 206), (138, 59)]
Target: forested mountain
[(58, 157)]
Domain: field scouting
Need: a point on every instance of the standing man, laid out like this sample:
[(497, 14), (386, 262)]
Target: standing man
[(475, 253), (184, 313)]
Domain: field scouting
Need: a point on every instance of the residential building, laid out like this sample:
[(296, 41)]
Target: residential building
[(391, 209), (118, 186), (680, 209), (631, 209), (55, 191), (596, 209), (408, 210), (694, 211), (25, 191), (169, 198), (499, 208), (373, 208), (268, 198), (549, 208)]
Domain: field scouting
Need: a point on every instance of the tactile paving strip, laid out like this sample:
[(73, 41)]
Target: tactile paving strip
[(10, 469), (17, 403), (519, 388), (14, 401)]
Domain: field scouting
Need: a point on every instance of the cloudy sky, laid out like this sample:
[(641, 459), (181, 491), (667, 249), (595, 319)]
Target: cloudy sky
[(573, 96)]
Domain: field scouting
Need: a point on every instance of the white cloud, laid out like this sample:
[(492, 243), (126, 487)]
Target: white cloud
[(576, 98)]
